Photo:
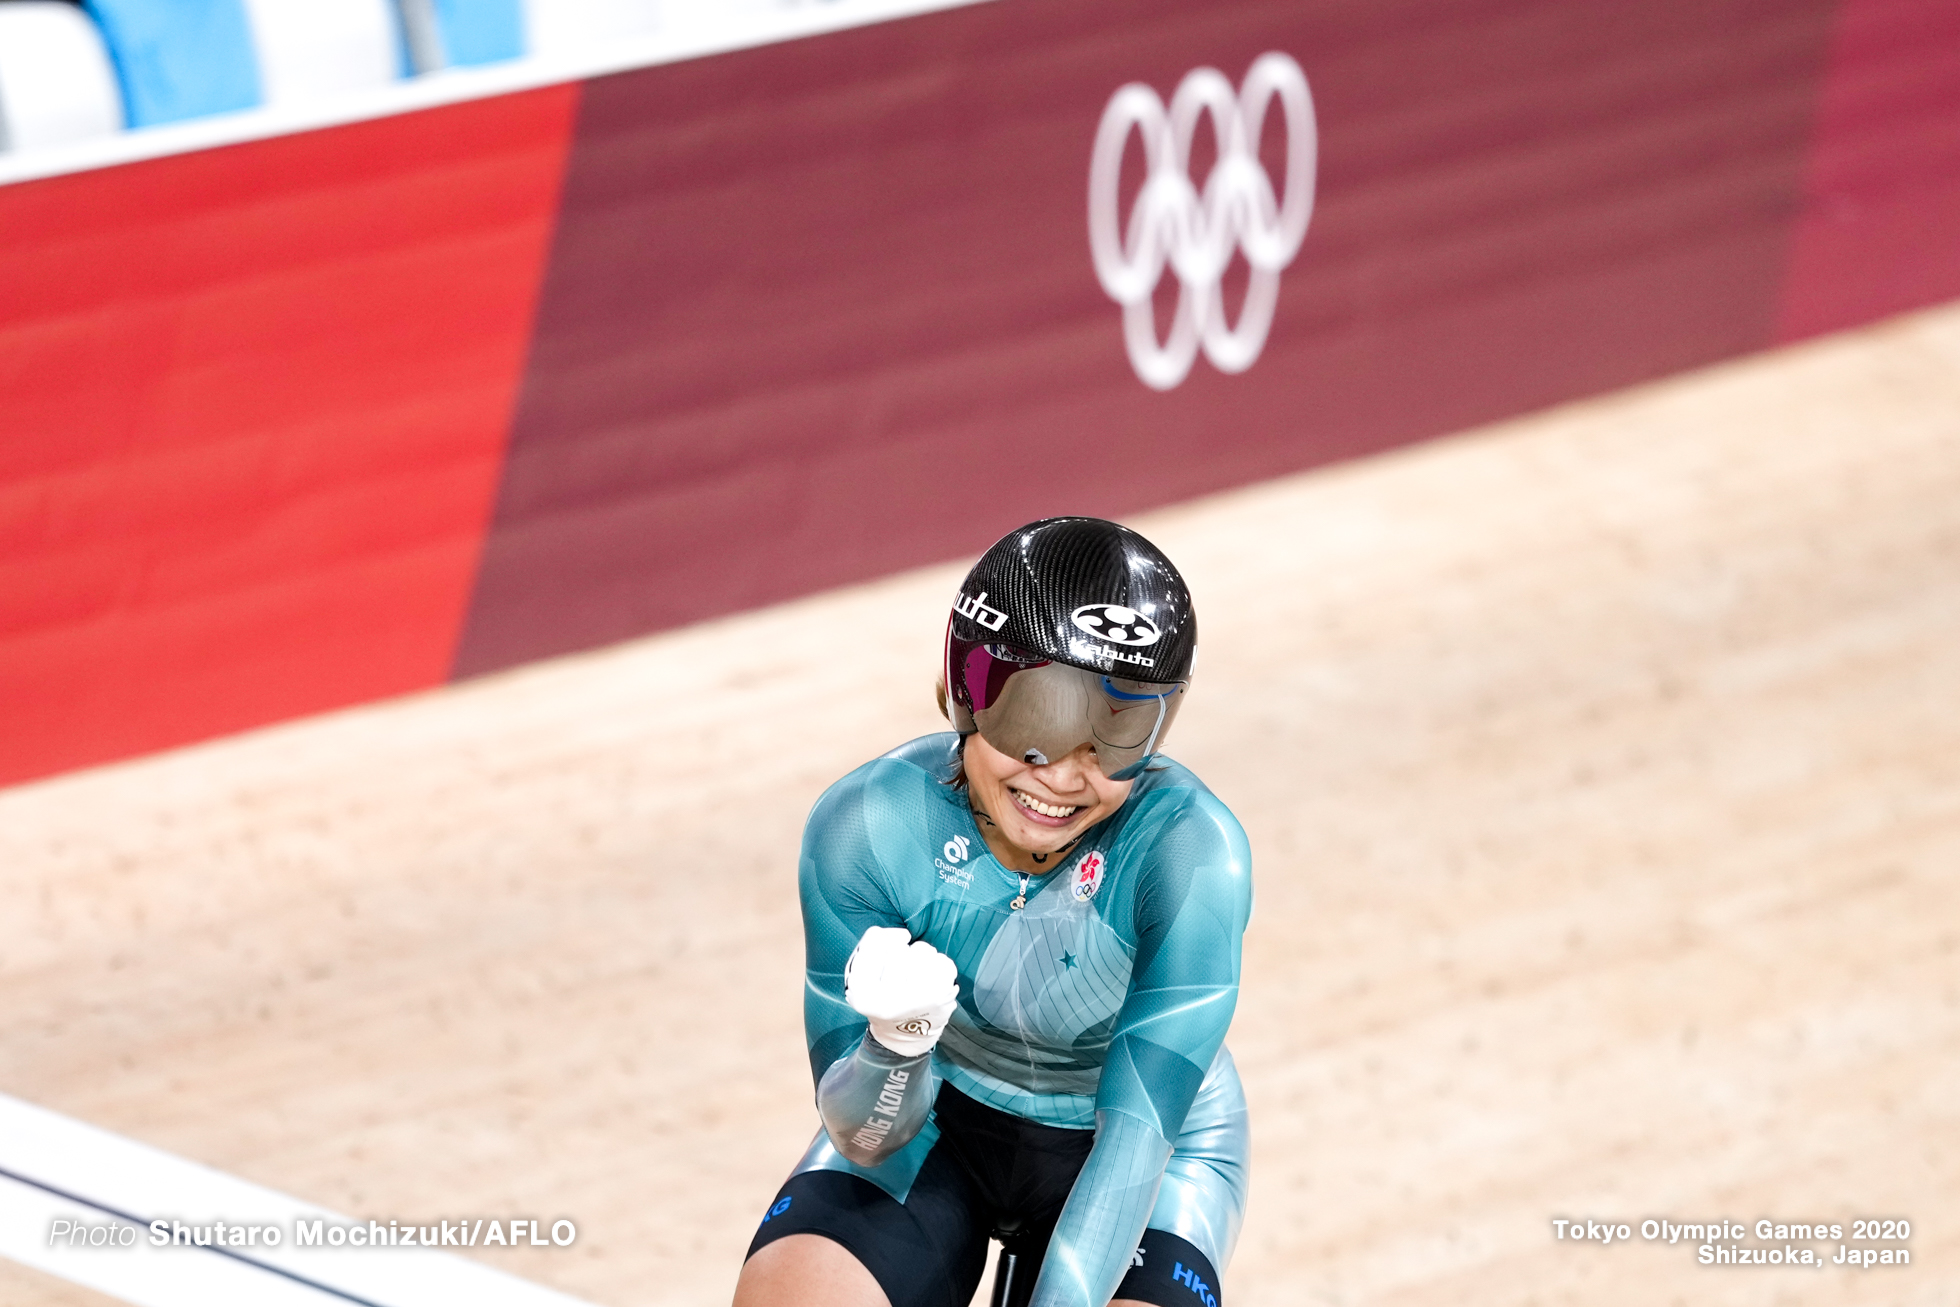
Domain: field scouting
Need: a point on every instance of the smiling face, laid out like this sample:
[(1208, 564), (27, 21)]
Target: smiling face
[(1037, 810)]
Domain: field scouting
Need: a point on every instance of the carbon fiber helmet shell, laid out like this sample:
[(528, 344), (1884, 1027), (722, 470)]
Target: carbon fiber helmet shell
[(1028, 589), (1086, 594)]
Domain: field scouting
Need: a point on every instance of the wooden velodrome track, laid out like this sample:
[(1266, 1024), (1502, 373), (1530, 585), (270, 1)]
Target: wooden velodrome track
[(1602, 771)]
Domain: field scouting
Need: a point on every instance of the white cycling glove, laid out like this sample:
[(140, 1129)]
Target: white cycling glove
[(906, 989)]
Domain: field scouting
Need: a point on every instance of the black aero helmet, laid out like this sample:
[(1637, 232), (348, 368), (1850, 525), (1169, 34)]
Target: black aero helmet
[(1071, 630)]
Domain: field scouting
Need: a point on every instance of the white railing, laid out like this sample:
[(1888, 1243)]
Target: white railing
[(315, 63), (56, 82)]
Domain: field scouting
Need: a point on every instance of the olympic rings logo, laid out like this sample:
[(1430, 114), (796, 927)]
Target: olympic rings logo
[(1196, 232)]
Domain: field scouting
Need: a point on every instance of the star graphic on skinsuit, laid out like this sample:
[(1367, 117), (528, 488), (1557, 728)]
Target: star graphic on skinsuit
[(1068, 960)]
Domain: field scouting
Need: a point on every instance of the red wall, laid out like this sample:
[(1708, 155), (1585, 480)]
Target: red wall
[(302, 422), (254, 403), (1879, 230)]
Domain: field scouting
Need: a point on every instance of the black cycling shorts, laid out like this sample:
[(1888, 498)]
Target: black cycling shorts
[(990, 1174)]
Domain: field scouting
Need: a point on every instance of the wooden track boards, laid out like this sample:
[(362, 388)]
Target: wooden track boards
[(1599, 767), (31, 1288)]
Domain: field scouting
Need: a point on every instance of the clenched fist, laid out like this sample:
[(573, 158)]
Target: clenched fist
[(905, 988)]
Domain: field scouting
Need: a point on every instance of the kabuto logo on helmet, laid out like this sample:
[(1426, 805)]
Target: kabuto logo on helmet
[(1116, 624), (968, 606)]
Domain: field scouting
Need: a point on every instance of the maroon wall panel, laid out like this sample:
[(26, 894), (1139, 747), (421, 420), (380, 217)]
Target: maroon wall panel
[(253, 403), (1880, 230), (821, 310)]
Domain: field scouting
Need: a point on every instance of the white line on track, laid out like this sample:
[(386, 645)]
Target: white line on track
[(55, 1168)]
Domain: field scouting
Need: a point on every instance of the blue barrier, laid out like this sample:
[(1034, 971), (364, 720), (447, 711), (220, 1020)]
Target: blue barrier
[(179, 59), (481, 31)]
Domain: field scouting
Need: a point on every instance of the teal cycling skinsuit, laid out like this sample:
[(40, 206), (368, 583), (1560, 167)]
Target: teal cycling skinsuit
[(1101, 1005)]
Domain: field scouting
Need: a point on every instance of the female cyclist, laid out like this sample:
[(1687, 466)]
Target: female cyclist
[(1023, 951)]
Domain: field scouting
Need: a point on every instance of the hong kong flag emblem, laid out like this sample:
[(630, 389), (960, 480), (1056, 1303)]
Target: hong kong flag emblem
[(1088, 877)]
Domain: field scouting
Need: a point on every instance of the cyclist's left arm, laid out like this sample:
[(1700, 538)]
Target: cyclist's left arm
[(1191, 913)]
